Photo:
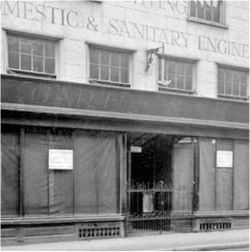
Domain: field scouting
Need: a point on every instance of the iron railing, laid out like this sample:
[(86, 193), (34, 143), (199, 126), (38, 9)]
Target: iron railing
[(158, 207)]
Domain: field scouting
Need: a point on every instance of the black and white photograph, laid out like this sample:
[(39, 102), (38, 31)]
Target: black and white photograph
[(124, 125)]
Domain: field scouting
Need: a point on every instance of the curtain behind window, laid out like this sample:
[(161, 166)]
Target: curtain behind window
[(9, 173), (95, 173)]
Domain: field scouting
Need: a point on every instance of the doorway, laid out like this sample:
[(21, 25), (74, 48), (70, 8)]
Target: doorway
[(156, 187)]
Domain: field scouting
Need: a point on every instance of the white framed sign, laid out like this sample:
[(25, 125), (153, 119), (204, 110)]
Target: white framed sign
[(60, 159), (225, 159), (136, 149)]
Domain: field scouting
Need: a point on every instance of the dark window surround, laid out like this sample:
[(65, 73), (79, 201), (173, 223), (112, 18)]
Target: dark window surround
[(110, 51), (36, 36), (219, 24), (231, 96), (185, 61), (31, 55)]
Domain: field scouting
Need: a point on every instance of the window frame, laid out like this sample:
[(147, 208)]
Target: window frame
[(36, 37), (163, 58), (196, 19), (110, 50), (229, 96)]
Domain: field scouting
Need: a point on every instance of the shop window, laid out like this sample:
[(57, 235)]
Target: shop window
[(9, 172), (48, 172), (47, 191), (224, 174), (31, 56), (111, 67), (211, 11), (176, 75), (232, 83)]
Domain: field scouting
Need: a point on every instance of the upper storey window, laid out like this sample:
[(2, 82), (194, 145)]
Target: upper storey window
[(109, 67), (208, 11), (32, 56), (176, 75), (232, 83)]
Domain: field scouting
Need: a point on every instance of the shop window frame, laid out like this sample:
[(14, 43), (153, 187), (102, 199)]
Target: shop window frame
[(110, 50), (19, 35), (195, 18), (161, 72), (231, 96)]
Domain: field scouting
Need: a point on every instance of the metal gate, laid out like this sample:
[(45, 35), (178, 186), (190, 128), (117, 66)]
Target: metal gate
[(151, 209)]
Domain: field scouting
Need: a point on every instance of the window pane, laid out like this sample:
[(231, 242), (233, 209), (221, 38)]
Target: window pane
[(25, 62), (104, 73), (180, 82), (50, 49), (221, 87), (208, 11), (124, 60), (124, 76), (229, 79), (160, 69), (171, 78), (192, 8), (165, 71), (115, 74), (236, 82), (200, 10), (243, 78), (188, 82), (94, 53), (38, 48), (26, 46), (216, 15), (115, 59), (243, 90), (49, 65), (171, 67), (14, 60), (94, 71), (37, 64), (189, 70), (236, 89), (104, 58), (180, 68), (13, 44)]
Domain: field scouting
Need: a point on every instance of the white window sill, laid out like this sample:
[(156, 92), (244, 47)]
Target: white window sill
[(175, 90), (108, 83), (234, 98), (30, 73), (206, 22)]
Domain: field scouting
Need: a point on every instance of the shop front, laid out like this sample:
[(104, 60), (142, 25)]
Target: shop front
[(82, 161)]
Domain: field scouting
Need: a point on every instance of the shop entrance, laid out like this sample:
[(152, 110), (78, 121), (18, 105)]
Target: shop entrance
[(152, 195)]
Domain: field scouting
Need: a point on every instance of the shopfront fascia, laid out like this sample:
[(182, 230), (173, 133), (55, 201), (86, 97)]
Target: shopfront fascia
[(94, 122)]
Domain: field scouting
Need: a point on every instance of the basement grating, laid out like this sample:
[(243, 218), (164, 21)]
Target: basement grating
[(95, 232), (215, 226)]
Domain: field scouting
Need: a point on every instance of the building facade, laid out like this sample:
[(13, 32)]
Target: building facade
[(121, 116)]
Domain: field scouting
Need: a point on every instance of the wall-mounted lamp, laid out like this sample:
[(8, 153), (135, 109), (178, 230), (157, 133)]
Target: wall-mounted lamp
[(150, 54)]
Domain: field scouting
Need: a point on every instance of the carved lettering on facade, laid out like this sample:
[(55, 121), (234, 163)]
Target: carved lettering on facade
[(76, 20)]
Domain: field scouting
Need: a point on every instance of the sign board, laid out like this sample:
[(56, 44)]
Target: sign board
[(60, 159), (148, 205), (225, 159), (136, 149)]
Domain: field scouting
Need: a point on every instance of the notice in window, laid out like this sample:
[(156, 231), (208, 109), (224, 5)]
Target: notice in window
[(148, 203), (225, 159), (60, 159)]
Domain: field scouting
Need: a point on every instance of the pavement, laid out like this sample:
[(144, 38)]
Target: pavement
[(216, 240)]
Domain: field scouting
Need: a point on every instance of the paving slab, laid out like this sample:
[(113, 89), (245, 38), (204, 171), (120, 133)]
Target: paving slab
[(216, 240)]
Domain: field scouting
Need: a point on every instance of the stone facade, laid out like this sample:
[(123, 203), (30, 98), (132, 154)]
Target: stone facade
[(137, 26)]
